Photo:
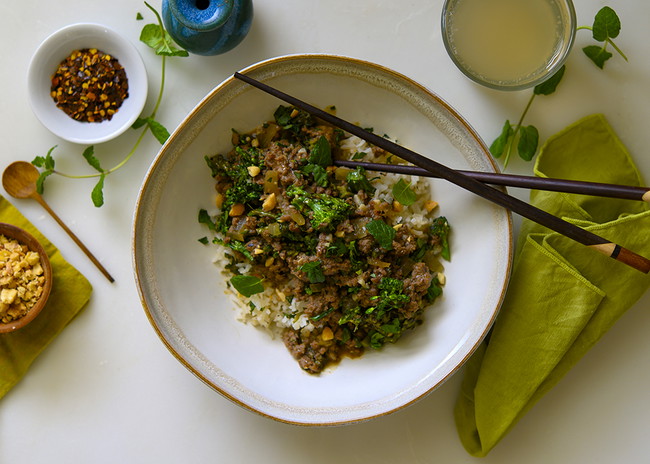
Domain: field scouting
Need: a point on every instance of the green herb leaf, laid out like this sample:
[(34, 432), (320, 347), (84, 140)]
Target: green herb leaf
[(204, 240), (434, 290), (139, 17), (607, 25), (204, 218), (403, 193), (528, 141), (314, 271), (41, 179), (156, 37), (158, 130), (318, 172), (139, 123), (440, 227), (45, 162), (247, 285), (499, 145), (548, 86), (358, 155), (89, 153), (357, 180), (597, 54), (382, 232), (97, 194), (321, 152)]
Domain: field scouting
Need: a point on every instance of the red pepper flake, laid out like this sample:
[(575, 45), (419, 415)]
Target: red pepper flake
[(89, 85)]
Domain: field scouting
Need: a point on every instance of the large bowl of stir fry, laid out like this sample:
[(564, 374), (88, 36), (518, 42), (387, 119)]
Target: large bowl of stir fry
[(307, 292)]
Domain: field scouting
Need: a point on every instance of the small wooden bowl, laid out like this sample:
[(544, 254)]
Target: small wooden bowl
[(27, 239)]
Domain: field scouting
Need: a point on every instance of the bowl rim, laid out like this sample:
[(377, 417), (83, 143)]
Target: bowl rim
[(25, 238), (147, 184), (55, 48)]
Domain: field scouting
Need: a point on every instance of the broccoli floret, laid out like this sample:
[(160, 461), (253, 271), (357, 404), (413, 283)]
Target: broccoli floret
[(440, 228), (325, 210)]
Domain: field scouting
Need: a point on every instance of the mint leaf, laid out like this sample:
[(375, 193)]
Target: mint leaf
[(597, 54), (41, 180), (97, 194), (528, 141), (499, 145), (139, 123), (158, 130), (88, 153), (382, 232), (156, 37), (357, 180), (318, 172), (403, 193), (204, 218), (314, 271), (606, 25), (548, 86), (321, 152), (247, 285)]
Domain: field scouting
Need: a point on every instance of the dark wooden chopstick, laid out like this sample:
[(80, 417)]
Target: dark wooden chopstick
[(627, 192), (496, 196)]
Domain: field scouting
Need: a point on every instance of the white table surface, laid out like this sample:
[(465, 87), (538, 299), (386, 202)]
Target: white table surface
[(107, 390)]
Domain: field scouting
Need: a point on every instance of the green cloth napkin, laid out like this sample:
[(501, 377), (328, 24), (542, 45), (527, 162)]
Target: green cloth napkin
[(562, 296), (70, 292)]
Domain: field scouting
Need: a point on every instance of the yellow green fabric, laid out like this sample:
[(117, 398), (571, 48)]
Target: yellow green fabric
[(562, 296), (70, 293)]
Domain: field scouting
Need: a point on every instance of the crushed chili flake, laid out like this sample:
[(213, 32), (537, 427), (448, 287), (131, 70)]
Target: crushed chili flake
[(89, 85)]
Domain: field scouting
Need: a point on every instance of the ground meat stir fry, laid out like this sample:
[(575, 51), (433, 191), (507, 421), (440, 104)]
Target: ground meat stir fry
[(344, 260)]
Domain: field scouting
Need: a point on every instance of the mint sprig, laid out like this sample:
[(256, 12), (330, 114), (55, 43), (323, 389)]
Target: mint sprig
[(606, 27), (156, 37), (524, 139)]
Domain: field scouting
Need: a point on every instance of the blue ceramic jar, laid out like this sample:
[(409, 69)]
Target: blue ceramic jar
[(207, 27)]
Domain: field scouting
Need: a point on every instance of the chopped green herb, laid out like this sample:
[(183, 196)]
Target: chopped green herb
[(382, 232), (403, 193), (357, 181), (247, 285), (314, 272), (440, 227), (321, 152)]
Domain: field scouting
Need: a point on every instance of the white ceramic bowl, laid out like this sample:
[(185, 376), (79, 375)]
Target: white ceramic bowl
[(55, 49), (183, 294)]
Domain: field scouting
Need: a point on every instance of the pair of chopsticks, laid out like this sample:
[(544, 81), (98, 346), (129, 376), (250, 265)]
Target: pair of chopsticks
[(470, 183)]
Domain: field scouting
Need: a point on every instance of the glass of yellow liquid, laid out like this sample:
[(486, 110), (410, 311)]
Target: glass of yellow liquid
[(508, 44)]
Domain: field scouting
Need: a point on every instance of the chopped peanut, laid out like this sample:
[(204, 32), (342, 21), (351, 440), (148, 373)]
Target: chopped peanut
[(431, 205), (253, 170), (236, 210), (327, 334), (270, 202), (21, 279)]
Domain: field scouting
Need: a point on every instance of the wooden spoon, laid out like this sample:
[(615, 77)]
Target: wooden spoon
[(19, 180)]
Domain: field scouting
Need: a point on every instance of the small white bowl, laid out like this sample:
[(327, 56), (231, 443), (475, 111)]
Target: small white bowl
[(55, 49)]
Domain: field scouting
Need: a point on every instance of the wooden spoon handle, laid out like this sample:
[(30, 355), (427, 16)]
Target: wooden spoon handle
[(74, 237)]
